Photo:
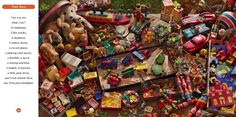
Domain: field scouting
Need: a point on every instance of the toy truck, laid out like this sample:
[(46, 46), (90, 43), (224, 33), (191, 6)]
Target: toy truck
[(109, 63), (138, 55)]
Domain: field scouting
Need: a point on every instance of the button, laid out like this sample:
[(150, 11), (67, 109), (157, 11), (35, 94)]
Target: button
[(18, 110), (18, 6)]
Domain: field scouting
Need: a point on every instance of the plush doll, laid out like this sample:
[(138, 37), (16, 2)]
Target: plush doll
[(70, 16), (73, 33), (77, 34), (51, 35)]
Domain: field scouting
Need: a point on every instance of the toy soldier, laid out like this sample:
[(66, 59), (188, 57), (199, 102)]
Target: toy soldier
[(138, 13)]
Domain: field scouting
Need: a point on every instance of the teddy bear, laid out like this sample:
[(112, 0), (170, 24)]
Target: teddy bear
[(51, 35), (70, 16), (73, 33)]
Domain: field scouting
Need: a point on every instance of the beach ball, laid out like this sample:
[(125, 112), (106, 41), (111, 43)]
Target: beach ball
[(227, 20)]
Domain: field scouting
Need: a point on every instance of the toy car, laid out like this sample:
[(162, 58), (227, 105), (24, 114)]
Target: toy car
[(109, 63), (128, 72), (195, 30), (138, 29), (205, 17), (196, 43), (113, 80), (138, 55), (126, 60)]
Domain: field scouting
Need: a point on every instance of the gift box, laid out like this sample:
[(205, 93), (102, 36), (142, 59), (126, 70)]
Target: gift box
[(65, 101), (53, 100), (60, 108), (46, 102), (70, 61), (111, 100), (75, 82), (92, 102), (57, 104), (54, 111), (50, 106), (56, 93), (49, 95), (61, 96), (90, 75), (63, 72), (47, 85)]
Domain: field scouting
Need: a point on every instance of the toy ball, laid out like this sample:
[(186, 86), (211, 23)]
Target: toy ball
[(227, 20)]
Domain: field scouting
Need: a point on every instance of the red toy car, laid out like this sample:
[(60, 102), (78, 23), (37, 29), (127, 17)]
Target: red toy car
[(205, 17), (196, 43)]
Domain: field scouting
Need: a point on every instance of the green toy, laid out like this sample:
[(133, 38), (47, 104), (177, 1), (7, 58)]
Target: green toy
[(160, 59), (157, 69)]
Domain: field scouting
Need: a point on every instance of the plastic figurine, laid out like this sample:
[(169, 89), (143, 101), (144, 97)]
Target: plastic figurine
[(138, 13), (149, 36), (184, 86), (186, 103), (201, 103)]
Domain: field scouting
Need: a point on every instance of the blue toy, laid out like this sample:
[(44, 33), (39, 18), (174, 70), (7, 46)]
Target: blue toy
[(195, 30), (138, 55)]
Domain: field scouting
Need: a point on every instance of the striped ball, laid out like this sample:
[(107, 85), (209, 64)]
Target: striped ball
[(227, 20)]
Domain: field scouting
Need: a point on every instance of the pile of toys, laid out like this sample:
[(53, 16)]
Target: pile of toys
[(181, 62)]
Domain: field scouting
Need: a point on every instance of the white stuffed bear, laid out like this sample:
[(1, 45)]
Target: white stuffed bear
[(70, 16)]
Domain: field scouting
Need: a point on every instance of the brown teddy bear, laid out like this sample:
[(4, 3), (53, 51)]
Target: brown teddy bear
[(73, 33), (51, 35)]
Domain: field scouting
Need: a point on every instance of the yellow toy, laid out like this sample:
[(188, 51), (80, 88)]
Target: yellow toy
[(149, 37)]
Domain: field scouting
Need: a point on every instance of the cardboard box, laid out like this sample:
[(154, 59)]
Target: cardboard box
[(92, 102), (75, 82), (165, 17), (111, 100), (70, 61), (47, 85), (90, 75)]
